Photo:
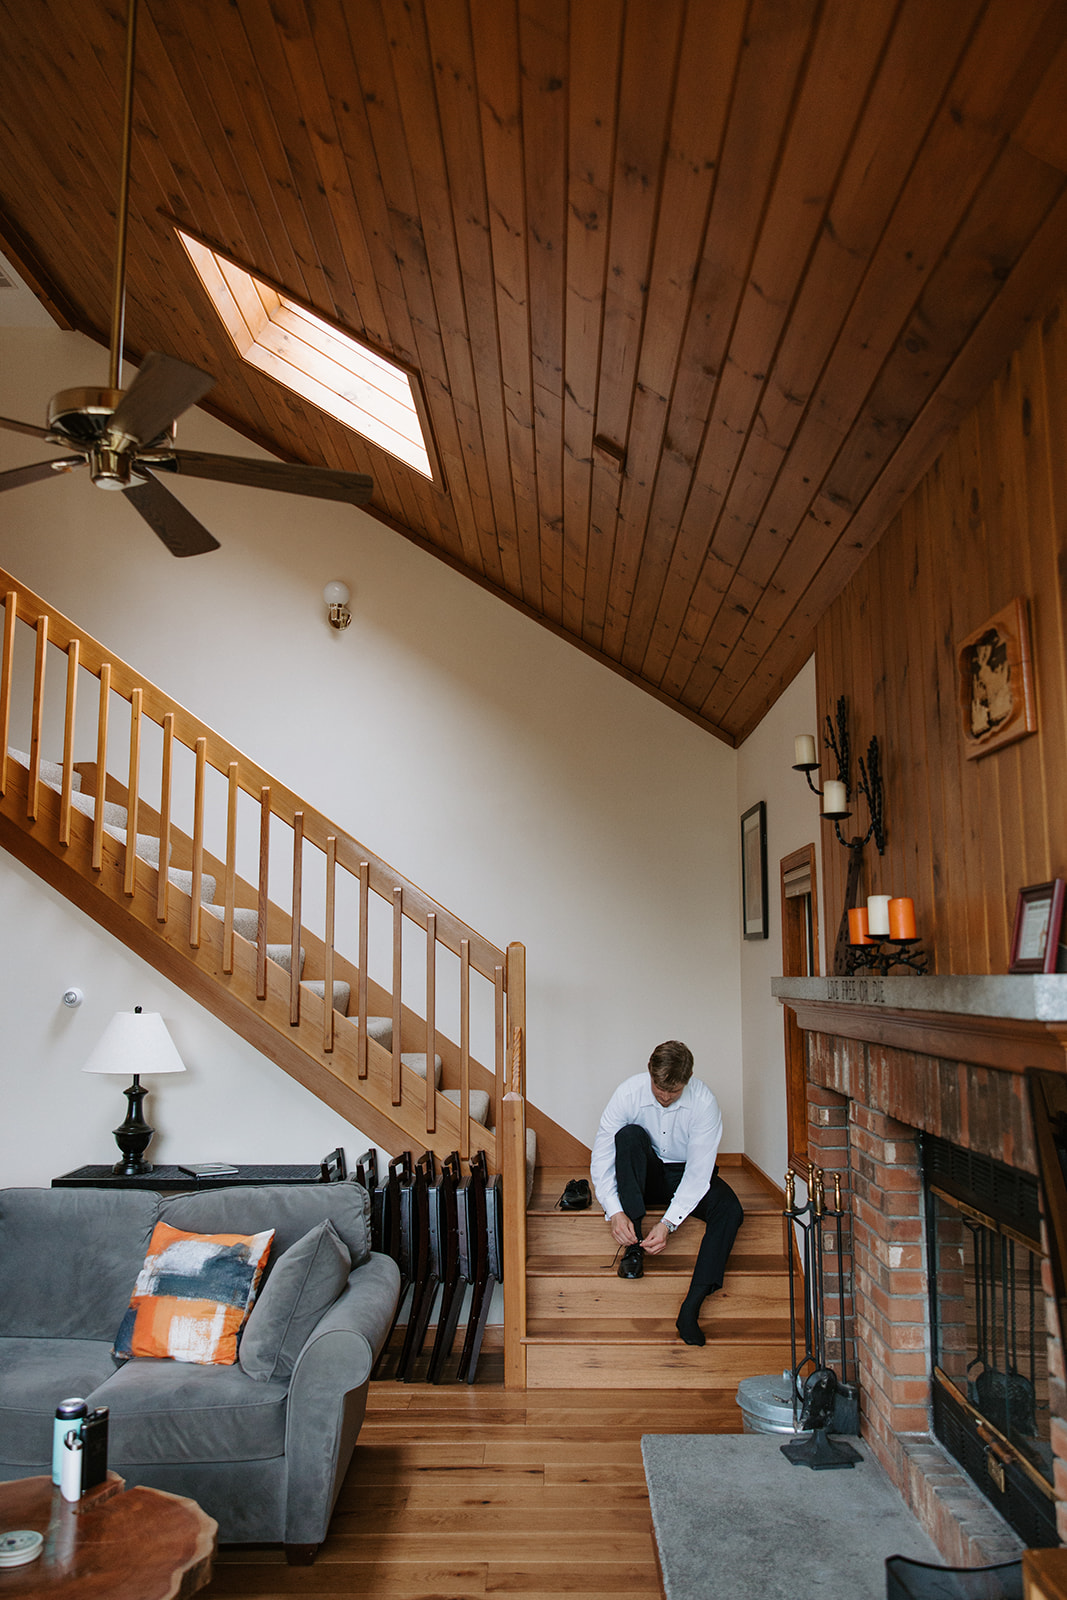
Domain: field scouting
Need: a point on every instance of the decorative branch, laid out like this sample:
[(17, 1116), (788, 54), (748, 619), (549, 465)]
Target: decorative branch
[(840, 745)]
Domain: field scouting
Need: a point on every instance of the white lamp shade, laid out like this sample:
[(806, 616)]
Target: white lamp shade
[(135, 1043)]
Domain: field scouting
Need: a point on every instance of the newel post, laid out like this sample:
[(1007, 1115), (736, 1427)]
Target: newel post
[(513, 1167)]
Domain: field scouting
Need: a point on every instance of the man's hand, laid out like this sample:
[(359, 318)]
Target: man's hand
[(655, 1239), (622, 1229)]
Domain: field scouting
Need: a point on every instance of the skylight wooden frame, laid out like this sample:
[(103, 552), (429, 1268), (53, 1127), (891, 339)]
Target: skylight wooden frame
[(316, 358)]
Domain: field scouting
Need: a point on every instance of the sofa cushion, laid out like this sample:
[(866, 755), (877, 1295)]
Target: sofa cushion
[(303, 1284), (69, 1258), (35, 1375), (168, 1411), (193, 1294), (290, 1209)]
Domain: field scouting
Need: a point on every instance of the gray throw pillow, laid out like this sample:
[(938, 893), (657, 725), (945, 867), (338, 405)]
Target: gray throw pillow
[(303, 1284)]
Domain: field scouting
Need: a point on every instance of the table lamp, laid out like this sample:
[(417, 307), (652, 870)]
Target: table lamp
[(134, 1042)]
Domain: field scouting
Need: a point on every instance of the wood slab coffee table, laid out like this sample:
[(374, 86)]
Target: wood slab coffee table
[(115, 1544)]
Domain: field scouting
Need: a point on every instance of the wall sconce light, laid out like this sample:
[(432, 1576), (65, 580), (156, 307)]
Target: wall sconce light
[(337, 595)]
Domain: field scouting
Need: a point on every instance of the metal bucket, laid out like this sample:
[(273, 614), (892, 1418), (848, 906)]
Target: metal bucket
[(766, 1404)]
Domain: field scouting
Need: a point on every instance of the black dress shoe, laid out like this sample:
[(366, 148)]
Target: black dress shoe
[(632, 1264), (576, 1196)]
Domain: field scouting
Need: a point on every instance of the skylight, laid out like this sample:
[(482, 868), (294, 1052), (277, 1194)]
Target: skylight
[(343, 377)]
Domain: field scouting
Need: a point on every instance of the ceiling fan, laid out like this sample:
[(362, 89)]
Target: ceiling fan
[(126, 436)]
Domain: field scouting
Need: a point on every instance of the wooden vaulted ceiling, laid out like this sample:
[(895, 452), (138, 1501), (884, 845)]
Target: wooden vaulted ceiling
[(694, 287)]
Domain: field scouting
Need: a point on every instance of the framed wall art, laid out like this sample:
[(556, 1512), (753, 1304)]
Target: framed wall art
[(754, 871), (1035, 939), (996, 689)]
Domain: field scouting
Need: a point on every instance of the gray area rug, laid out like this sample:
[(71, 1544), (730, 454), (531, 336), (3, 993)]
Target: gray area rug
[(734, 1520)]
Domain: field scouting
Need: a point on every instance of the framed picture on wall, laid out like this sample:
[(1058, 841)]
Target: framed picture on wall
[(754, 871), (1035, 939), (996, 686)]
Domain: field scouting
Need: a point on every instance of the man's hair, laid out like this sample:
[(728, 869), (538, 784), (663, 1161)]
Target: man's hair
[(671, 1065)]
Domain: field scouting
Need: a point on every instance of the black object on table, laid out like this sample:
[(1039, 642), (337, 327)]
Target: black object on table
[(173, 1178)]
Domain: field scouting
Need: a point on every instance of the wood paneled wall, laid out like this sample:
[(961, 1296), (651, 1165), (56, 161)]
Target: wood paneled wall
[(987, 523)]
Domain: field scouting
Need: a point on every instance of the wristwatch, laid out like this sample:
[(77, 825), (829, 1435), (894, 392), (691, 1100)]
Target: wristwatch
[(670, 1226)]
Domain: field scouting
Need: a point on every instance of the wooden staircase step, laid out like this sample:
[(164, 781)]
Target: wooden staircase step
[(653, 1330), (603, 1265), (585, 1233), (611, 1299), (750, 1187), (652, 1363)]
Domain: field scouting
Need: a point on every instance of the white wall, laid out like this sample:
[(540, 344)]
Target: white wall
[(764, 772), (530, 790)]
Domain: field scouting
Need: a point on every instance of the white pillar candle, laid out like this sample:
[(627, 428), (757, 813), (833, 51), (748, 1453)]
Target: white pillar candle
[(878, 916), (834, 798), (804, 750)]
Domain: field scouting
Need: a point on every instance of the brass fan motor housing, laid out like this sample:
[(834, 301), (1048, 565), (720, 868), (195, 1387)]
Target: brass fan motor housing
[(81, 416)]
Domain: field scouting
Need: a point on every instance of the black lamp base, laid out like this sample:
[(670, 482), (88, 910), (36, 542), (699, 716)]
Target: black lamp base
[(134, 1135)]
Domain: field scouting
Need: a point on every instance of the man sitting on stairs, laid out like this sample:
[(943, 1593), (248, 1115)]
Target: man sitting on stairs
[(656, 1145)]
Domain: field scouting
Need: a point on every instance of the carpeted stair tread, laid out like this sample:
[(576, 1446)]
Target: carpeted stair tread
[(415, 1061), (342, 992), (183, 880), (478, 1103), (380, 1029), (245, 920), (282, 956), (50, 772)]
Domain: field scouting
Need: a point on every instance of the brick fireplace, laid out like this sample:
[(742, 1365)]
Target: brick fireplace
[(882, 1073)]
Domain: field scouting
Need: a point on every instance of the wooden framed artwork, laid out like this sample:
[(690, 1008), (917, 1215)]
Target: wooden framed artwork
[(754, 871), (1035, 939), (996, 688)]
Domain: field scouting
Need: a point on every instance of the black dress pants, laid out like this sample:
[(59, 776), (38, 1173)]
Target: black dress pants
[(643, 1179)]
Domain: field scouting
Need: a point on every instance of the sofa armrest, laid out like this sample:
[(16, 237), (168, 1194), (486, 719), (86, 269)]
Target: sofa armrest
[(328, 1395)]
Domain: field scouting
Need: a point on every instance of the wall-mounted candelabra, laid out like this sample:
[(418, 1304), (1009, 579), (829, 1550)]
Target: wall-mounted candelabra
[(880, 948)]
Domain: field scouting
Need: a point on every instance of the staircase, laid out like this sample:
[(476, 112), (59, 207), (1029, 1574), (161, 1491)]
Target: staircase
[(587, 1328)]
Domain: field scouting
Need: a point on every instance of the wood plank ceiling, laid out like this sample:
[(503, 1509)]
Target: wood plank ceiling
[(694, 289)]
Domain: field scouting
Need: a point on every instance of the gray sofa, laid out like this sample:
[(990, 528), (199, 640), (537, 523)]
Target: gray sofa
[(265, 1454)]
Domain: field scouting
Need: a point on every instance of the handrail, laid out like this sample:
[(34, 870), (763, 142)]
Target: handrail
[(504, 971)]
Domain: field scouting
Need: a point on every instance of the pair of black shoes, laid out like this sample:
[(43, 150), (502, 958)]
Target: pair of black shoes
[(576, 1196)]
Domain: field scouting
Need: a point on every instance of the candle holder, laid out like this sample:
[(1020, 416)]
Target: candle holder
[(870, 786), (873, 958)]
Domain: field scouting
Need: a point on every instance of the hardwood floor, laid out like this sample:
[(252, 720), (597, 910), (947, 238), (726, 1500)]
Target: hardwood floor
[(456, 1492)]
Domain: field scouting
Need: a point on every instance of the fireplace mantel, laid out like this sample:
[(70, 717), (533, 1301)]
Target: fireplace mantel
[(1005, 1021)]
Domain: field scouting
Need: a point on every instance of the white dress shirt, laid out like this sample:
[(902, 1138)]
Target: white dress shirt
[(690, 1130)]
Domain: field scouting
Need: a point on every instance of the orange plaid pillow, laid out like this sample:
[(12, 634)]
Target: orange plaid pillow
[(192, 1295)]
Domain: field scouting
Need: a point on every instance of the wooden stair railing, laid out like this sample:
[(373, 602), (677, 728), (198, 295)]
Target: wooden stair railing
[(240, 814)]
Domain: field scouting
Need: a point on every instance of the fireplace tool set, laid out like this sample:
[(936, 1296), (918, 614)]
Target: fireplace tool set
[(821, 1398), (444, 1233)]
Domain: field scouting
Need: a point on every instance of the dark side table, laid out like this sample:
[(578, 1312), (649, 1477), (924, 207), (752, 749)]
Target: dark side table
[(173, 1178)]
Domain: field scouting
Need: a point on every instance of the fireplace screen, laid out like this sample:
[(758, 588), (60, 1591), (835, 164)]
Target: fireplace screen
[(990, 1397)]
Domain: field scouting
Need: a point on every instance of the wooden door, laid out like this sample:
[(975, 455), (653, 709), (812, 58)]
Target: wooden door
[(800, 959)]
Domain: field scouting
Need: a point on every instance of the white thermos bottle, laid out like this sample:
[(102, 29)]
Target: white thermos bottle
[(70, 1478)]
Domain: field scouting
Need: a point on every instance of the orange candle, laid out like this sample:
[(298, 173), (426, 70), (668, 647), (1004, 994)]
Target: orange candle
[(902, 918), (857, 926)]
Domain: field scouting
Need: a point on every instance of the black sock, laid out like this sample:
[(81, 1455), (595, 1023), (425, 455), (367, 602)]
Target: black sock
[(687, 1322)]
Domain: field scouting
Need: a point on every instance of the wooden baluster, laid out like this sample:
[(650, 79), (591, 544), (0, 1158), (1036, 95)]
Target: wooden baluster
[(198, 843), (498, 1043), (295, 928), (398, 952), (34, 781), (230, 891), (364, 990), (166, 780), (263, 901), (465, 1049), (101, 765), (516, 954), (129, 879), (7, 666), (328, 934), (512, 1156), (431, 1019), (68, 742)]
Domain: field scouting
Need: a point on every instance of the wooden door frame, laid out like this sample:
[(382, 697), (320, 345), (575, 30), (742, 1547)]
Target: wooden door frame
[(795, 965)]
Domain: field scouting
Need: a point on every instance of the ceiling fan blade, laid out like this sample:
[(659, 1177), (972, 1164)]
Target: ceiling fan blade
[(161, 391), (24, 427), (322, 482), (169, 520), (39, 471)]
